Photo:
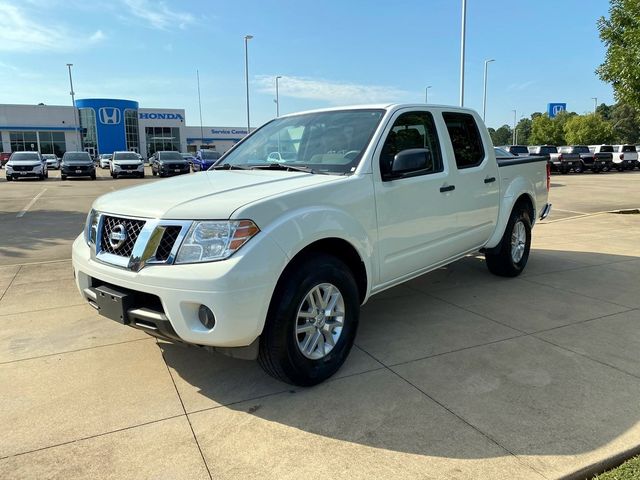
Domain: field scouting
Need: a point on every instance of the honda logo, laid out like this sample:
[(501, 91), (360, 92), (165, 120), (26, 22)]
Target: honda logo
[(109, 115)]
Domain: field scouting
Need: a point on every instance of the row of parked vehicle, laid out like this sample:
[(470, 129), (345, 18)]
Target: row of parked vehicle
[(120, 164), (579, 158)]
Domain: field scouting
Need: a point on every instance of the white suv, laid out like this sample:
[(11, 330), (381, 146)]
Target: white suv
[(126, 164)]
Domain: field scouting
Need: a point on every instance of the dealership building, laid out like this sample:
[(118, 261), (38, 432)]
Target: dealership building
[(101, 125)]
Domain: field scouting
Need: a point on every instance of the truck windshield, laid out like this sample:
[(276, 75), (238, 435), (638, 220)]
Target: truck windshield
[(326, 142)]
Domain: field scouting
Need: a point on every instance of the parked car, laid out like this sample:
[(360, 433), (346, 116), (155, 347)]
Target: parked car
[(77, 164), (168, 163), (26, 165), (4, 158), (520, 150), (126, 164), (558, 162), (204, 159), (502, 153), (590, 161), (273, 260), (188, 157), (627, 155), (606, 154), (104, 160), (53, 162)]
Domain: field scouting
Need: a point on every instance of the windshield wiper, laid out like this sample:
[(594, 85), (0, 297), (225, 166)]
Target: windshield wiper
[(229, 166), (284, 166)]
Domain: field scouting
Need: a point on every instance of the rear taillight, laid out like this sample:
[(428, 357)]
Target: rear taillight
[(622, 156), (560, 157), (548, 176)]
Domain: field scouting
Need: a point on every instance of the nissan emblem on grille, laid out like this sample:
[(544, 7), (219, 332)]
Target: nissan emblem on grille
[(117, 236)]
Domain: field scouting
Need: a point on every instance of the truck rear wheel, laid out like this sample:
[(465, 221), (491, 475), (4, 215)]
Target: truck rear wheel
[(510, 257), (312, 321)]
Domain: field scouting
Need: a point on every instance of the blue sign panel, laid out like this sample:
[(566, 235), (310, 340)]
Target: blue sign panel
[(554, 109), (110, 124)]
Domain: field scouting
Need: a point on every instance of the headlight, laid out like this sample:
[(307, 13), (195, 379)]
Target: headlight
[(37, 167), (91, 227), (211, 241)]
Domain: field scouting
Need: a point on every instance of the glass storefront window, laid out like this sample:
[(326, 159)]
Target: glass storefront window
[(131, 129), (23, 141), (88, 126), (48, 142), (162, 138)]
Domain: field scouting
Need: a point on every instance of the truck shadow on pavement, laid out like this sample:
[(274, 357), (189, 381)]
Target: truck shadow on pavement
[(37, 231), (456, 363)]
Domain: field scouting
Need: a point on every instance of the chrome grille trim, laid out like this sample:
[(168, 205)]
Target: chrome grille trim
[(146, 243)]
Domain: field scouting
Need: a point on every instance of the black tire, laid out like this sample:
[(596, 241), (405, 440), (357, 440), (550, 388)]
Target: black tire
[(578, 168), (153, 172), (500, 261), (279, 353), (63, 177), (9, 178), (114, 176), (93, 176), (141, 175)]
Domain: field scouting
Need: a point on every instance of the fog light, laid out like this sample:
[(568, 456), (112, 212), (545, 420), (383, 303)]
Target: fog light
[(205, 315)]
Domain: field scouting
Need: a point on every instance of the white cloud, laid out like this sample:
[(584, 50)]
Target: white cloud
[(98, 36), (158, 15), (329, 91), (518, 87), (20, 32)]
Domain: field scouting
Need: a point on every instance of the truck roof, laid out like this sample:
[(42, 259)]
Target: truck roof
[(380, 106)]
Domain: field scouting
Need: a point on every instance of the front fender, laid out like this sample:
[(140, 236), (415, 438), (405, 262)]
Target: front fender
[(299, 228)]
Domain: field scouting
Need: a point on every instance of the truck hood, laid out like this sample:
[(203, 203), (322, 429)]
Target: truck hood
[(212, 195)]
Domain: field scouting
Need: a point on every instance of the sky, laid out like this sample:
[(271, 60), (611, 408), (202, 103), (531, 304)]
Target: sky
[(329, 53)]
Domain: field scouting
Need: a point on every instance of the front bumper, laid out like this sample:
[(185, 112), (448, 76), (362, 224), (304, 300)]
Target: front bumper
[(15, 174), (74, 172), (118, 170), (164, 170), (237, 290)]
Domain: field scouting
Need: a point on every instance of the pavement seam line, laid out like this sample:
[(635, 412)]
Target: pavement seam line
[(30, 204), (459, 417), (89, 437), (76, 350), (41, 309), (10, 283), (44, 262), (195, 438)]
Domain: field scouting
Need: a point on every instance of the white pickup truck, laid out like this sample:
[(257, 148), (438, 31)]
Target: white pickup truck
[(272, 259)]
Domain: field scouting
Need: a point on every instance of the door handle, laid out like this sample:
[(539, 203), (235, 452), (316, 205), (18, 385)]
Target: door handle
[(489, 179), (447, 188)]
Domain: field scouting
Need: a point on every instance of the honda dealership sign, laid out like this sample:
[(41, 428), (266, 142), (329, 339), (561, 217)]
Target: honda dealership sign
[(109, 118), (554, 109), (109, 115)]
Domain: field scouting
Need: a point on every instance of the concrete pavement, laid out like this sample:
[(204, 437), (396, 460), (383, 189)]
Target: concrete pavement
[(456, 374)]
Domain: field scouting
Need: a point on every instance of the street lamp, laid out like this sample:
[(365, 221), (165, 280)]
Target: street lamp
[(426, 94), (484, 97), (73, 103), (595, 103), (246, 76), (277, 100), (462, 42), (514, 127)]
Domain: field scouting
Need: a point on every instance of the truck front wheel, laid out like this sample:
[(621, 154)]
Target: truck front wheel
[(312, 321), (510, 257)]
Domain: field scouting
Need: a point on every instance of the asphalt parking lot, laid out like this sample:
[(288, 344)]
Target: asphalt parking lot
[(456, 374)]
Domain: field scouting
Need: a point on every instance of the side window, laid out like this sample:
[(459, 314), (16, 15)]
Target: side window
[(465, 138), (412, 130)]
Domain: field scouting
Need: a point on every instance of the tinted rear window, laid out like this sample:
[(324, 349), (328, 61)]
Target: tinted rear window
[(628, 148), (546, 150), (606, 149), (518, 149), (581, 149), (465, 139)]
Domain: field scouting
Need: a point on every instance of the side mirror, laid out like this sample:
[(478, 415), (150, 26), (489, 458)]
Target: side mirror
[(408, 161)]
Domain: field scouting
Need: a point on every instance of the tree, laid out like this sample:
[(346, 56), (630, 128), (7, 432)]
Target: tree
[(523, 131), (501, 136), (621, 35), (626, 123), (604, 111), (589, 129), (545, 130)]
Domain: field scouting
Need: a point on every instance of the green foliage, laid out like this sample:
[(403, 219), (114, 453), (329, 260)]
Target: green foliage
[(589, 129), (502, 136), (621, 35), (626, 122), (630, 470), (523, 131), (545, 130)]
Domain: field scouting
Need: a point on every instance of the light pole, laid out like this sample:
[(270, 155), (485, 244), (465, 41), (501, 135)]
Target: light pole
[(514, 127), (277, 97), (73, 103), (246, 76), (426, 94), (462, 42), (484, 96), (595, 103), (200, 108)]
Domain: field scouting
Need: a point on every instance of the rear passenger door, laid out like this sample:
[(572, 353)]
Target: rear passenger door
[(476, 179)]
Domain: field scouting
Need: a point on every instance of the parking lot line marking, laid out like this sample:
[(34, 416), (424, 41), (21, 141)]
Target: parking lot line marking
[(30, 204)]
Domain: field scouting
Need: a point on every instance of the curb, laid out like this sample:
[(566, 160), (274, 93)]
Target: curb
[(602, 466)]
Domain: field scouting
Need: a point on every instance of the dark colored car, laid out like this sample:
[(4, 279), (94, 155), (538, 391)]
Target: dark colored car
[(189, 157), (165, 163), (4, 158), (204, 159), (519, 150), (77, 164)]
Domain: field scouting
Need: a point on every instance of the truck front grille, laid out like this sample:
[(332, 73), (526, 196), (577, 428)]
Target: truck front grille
[(113, 227), (167, 242)]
